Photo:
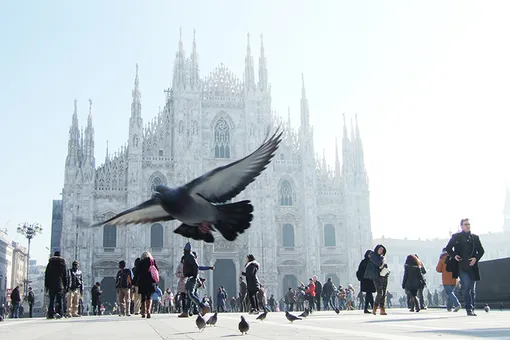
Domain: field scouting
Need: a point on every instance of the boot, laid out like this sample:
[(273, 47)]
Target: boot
[(416, 304), (383, 311), (142, 309), (374, 311)]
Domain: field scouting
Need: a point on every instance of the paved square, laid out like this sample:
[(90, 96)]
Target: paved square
[(400, 324)]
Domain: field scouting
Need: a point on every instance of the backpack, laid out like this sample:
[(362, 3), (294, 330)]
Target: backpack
[(123, 279), (154, 272)]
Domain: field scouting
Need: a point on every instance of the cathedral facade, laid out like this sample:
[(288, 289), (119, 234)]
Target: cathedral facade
[(309, 219)]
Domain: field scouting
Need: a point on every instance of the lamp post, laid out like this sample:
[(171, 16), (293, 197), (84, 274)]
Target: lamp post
[(29, 231)]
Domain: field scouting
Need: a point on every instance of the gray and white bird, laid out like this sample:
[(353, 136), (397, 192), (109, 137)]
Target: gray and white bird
[(262, 316), (244, 326), (213, 319), (486, 308), (200, 321), (291, 317), (197, 204)]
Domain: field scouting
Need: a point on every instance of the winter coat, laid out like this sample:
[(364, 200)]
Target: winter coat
[(146, 284), (318, 288), (15, 295), (135, 277), (75, 280), (250, 271), (181, 284), (375, 264), (311, 289), (190, 268), (367, 285), (447, 277), (413, 278), (327, 289), (458, 246), (96, 296), (55, 277)]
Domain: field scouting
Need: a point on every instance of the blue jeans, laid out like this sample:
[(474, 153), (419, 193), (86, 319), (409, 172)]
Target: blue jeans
[(14, 310), (190, 289), (452, 300), (468, 289)]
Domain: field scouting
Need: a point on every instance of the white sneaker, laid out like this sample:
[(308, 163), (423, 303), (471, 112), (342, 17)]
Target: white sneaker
[(457, 309)]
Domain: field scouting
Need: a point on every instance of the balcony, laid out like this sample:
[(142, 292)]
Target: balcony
[(290, 250), (109, 252), (336, 250)]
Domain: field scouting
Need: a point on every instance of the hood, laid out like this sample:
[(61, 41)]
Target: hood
[(380, 246), (367, 254), (57, 259), (252, 262)]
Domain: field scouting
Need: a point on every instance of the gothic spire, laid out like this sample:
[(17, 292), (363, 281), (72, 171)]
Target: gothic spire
[(263, 82), (73, 145), (337, 159), (179, 66), (305, 115), (249, 72), (195, 76), (89, 140), (359, 148), (346, 151), (136, 105), (107, 157)]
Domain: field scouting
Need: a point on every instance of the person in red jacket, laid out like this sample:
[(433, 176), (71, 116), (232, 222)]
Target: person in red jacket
[(310, 295)]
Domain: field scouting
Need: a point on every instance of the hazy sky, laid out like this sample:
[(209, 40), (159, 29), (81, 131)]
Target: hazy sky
[(430, 82)]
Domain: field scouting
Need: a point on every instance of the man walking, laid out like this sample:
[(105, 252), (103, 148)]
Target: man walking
[(75, 289), (467, 250), (55, 282), (30, 300)]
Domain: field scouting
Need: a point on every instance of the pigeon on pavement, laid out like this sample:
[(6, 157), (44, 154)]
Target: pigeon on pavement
[(200, 322), (262, 316), (213, 319), (291, 317), (305, 313), (244, 326), (486, 308), (198, 204)]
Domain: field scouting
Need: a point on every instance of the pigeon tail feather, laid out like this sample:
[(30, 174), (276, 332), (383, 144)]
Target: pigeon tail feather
[(234, 219), (194, 233)]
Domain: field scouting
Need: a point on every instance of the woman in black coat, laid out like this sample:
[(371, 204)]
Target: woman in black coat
[(146, 284), (252, 282), (367, 285), (413, 279)]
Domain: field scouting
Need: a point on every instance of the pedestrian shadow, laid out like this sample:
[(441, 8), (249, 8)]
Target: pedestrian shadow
[(403, 320), (498, 333)]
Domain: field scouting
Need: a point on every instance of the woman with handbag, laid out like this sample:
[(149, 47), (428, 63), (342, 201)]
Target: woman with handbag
[(377, 271), (413, 280)]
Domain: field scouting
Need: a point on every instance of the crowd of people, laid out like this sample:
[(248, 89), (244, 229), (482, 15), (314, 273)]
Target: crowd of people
[(138, 290)]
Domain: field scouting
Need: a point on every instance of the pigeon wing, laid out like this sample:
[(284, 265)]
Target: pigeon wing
[(148, 212), (225, 182)]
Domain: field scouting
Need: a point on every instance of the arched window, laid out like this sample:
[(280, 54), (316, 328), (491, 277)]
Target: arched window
[(109, 236), (221, 139), (288, 235), (285, 193), (157, 236), (329, 235), (155, 182)]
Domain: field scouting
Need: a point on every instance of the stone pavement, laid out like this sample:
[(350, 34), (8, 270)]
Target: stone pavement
[(400, 324)]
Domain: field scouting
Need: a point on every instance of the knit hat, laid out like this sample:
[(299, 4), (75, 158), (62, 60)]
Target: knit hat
[(187, 247)]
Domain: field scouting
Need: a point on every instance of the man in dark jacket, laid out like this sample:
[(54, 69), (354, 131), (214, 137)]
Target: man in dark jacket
[(15, 301), (190, 270), (96, 298), (30, 300), (243, 292), (74, 289), (318, 292), (55, 282), (136, 298), (467, 250)]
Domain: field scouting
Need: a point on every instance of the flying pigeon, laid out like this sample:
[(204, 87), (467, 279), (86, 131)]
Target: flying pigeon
[(197, 204), (486, 308), (262, 316), (213, 319), (200, 322), (291, 317), (244, 326)]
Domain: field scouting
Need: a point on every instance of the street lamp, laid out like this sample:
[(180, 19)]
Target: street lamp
[(29, 231)]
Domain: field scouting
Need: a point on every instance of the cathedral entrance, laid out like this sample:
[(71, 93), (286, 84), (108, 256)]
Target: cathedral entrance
[(334, 278), (109, 296), (224, 274), (289, 281)]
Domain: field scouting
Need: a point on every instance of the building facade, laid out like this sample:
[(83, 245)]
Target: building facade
[(13, 266), (309, 219), (5, 266)]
